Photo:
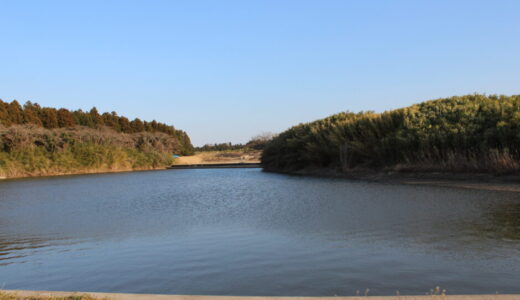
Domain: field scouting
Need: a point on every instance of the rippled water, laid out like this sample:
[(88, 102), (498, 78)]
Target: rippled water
[(245, 232)]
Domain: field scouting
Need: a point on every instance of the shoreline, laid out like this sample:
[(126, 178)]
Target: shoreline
[(84, 172), (121, 296), (478, 181), (216, 165), (128, 170), (188, 162)]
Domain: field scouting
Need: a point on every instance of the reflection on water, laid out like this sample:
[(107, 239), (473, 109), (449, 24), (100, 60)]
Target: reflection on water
[(503, 221), (11, 249), (245, 232)]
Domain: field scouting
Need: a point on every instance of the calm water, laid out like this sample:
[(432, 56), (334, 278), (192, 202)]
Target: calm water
[(245, 232)]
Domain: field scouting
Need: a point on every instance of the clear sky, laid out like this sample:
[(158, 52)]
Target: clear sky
[(227, 70)]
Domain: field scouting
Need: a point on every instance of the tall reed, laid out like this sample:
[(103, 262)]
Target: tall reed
[(464, 133)]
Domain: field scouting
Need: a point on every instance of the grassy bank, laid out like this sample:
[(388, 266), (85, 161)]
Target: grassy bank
[(28, 150), (44, 141), (473, 133)]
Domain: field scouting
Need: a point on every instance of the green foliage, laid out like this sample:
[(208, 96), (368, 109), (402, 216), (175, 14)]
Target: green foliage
[(30, 151), (467, 133)]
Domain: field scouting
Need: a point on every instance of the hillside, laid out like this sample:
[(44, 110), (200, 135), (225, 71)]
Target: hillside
[(472, 133), (36, 141)]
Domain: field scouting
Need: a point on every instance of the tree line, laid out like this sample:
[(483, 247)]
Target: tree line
[(462, 133), (257, 142), (220, 147), (31, 113)]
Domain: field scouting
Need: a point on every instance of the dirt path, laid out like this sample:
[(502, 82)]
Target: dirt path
[(219, 157)]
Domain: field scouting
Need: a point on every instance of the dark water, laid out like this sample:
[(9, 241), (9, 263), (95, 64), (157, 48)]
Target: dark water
[(245, 232)]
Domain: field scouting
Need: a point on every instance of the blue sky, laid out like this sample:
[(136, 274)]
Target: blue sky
[(227, 70)]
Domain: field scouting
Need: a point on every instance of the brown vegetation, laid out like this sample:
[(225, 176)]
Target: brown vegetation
[(37, 141), (51, 118)]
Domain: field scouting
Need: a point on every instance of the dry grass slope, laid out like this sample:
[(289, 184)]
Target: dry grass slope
[(28, 150)]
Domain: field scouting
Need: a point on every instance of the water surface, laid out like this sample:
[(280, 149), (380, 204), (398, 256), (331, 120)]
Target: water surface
[(246, 232)]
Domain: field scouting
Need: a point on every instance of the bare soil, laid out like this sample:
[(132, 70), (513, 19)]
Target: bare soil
[(220, 157)]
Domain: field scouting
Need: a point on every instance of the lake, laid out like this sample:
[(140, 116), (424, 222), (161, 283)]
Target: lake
[(247, 232)]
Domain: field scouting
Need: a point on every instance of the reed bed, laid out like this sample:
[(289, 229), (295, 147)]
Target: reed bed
[(472, 133)]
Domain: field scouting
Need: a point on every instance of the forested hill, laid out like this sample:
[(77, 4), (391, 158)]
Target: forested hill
[(37, 140), (31, 113), (472, 133)]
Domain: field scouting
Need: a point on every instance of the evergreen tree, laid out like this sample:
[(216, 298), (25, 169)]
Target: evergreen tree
[(65, 118), (49, 118), (137, 125), (95, 117), (15, 112), (31, 113), (4, 114), (124, 124)]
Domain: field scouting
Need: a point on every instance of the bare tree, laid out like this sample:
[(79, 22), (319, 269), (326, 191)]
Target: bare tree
[(259, 141)]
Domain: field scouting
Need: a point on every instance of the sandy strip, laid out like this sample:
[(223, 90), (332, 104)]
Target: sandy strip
[(117, 296)]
